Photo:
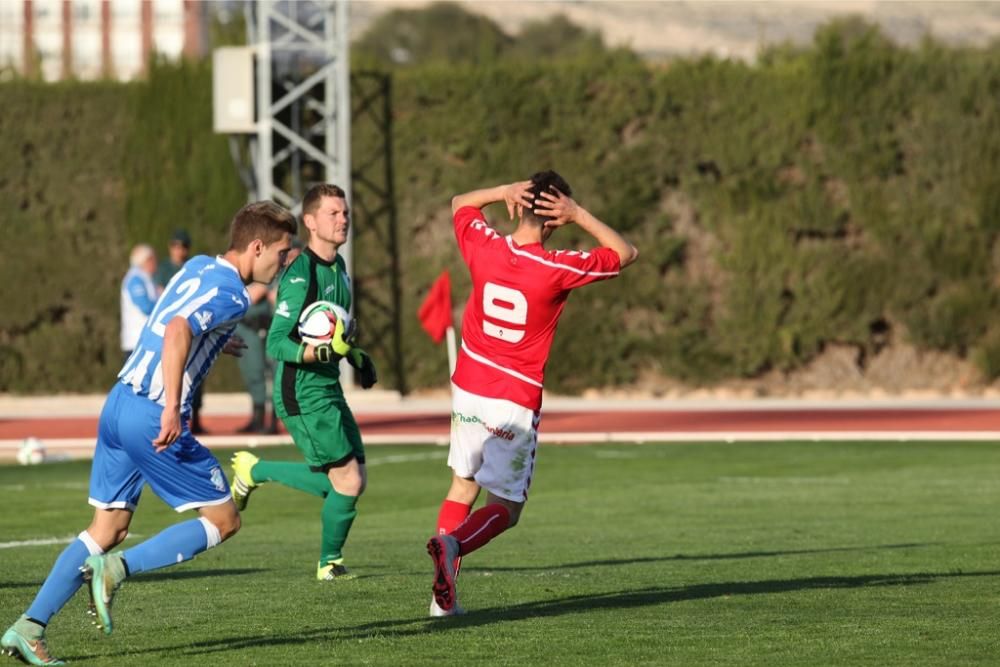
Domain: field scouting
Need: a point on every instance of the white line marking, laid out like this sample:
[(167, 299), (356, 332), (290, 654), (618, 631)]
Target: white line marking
[(84, 447), (406, 458), (38, 542), (611, 454), (45, 541), (787, 480), (72, 486)]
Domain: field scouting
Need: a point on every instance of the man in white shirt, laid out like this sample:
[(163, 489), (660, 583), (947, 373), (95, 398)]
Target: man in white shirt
[(138, 295)]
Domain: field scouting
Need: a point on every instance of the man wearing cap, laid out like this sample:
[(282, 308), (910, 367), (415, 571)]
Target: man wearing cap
[(178, 250)]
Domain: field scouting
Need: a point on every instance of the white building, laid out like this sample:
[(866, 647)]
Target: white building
[(90, 39)]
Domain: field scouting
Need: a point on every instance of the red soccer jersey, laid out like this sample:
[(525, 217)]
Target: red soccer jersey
[(518, 293)]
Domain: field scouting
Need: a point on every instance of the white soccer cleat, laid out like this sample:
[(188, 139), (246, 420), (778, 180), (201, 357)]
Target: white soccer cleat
[(437, 612)]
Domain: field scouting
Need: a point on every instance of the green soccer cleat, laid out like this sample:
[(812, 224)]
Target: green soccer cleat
[(243, 484), (27, 646), (333, 570), (103, 575)]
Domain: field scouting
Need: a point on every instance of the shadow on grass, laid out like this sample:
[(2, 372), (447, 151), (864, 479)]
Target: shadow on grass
[(154, 576), (560, 607), (193, 574), (696, 557), (19, 584)]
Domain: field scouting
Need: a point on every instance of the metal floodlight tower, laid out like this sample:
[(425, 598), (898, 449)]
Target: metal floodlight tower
[(302, 46), (288, 94), (301, 50)]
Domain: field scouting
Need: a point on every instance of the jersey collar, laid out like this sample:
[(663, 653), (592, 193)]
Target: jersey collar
[(219, 259), (514, 244), (319, 260)]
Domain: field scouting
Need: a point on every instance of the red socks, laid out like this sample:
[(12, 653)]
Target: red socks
[(451, 516), (482, 526)]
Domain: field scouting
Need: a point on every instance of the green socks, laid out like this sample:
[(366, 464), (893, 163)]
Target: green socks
[(338, 515), (338, 510), (296, 475)]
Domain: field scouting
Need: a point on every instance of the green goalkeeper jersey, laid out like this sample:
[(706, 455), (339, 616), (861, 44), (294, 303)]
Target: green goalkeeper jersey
[(299, 387)]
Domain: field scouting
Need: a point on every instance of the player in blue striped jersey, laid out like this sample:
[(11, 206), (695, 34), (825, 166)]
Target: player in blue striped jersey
[(144, 435)]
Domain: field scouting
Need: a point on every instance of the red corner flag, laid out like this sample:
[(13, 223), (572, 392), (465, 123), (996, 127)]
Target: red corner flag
[(435, 311)]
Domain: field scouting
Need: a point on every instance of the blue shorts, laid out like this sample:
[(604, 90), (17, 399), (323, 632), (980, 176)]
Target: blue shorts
[(186, 475)]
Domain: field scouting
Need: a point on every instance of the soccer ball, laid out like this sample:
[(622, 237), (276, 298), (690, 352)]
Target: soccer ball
[(318, 320), (32, 452)]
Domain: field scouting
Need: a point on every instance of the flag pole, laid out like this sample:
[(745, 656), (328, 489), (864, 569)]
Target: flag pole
[(450, 334)]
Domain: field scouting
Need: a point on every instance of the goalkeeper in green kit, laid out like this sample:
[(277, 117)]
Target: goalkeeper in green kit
[(307, 392)]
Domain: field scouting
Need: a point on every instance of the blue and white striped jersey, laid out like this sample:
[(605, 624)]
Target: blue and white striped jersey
[(138, 297), (209, 294)]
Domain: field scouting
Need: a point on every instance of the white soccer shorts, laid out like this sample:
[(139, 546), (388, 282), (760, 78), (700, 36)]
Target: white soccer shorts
[(494, 442)]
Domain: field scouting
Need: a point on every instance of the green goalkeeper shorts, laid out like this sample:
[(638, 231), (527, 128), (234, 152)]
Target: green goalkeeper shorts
[(328, 438)]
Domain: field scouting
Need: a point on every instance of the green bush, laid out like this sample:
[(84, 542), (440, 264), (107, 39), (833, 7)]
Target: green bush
[(93, 169)]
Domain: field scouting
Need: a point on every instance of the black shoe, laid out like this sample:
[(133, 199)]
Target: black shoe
[(256, 423), (272, 425), (252, 426)]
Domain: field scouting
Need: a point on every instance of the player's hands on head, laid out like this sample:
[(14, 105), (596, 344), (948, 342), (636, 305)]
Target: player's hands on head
[(517, 195), (560, 209), (362, 362), (170, 429), (234, 346)]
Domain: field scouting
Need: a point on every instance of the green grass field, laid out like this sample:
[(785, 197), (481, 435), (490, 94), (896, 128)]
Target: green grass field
[(718, 554)]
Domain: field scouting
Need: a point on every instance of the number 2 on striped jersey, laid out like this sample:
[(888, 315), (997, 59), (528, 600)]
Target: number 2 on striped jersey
[(184, 293)]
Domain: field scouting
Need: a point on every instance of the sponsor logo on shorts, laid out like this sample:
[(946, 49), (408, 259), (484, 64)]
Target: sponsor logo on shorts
[(218, 480), (494, 430)]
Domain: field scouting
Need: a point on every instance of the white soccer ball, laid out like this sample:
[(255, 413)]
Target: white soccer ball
[(319, 319), (32, 452)]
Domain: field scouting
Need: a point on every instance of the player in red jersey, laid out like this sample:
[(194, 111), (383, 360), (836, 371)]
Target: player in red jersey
[(519, 290)]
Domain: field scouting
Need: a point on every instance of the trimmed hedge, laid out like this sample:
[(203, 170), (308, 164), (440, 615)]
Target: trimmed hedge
[(62, 197), (845, 193), (91, 169)]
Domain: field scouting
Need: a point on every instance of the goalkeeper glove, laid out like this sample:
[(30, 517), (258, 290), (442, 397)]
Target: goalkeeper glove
[(360, 361), (339, 345)]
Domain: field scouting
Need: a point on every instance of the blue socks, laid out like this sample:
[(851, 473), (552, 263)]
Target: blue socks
[(176, 544), (64, 579)]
